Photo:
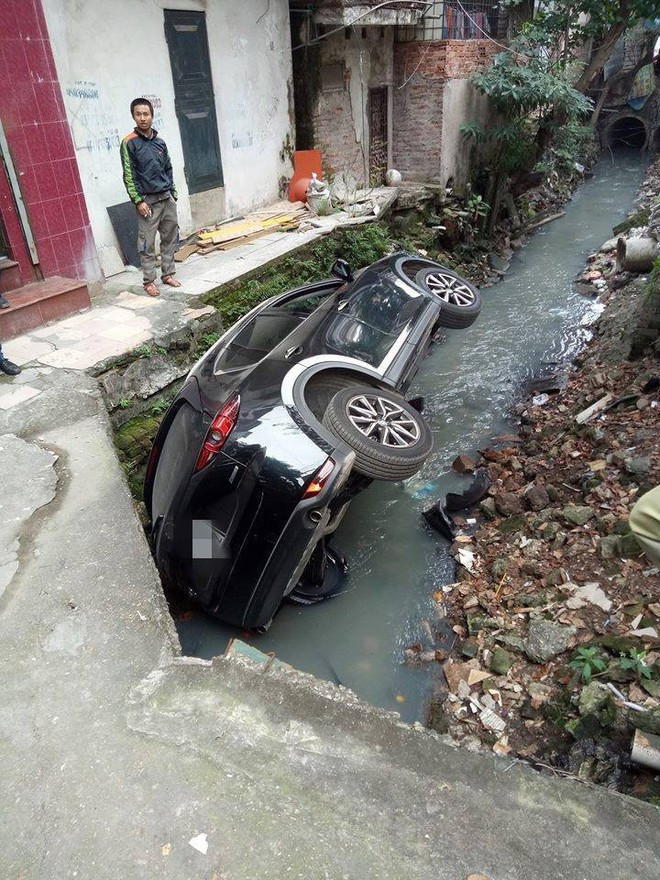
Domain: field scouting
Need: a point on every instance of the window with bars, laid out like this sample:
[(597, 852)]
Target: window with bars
[(458, 20)]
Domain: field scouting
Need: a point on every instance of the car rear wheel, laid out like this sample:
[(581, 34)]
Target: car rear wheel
[(461, 301), (391, 440)]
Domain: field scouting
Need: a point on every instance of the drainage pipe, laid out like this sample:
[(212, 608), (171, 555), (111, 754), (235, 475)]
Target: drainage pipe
[(636, 254)]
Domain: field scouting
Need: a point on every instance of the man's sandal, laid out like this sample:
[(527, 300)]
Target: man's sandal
[(171, 281), (151, 290)]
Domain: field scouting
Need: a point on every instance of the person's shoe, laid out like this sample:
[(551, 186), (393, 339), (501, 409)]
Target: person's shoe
[(9, 368), (171, 281), (3, 302), (150, 289)]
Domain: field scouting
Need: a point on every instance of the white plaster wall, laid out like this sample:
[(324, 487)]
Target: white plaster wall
[(460, 103), (109, 51)]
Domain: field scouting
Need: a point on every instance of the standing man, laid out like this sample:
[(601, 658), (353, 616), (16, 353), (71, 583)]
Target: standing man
[(149, 184)]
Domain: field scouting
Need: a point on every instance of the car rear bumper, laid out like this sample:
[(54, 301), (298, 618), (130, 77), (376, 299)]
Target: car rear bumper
[(236, 543)]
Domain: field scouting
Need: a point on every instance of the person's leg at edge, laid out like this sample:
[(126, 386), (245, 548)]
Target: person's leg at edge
[(7, 366), (169, 236), (644, 521)]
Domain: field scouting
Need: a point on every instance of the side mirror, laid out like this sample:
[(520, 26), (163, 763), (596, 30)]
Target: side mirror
[(341, 269)]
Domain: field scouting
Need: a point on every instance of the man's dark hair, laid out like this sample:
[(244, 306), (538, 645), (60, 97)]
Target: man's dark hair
[(137, 101)]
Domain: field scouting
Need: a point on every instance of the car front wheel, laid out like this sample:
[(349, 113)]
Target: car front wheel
[(461, 301), (391, 440)]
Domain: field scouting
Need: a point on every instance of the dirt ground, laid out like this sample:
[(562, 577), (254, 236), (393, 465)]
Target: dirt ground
[(555, 613)]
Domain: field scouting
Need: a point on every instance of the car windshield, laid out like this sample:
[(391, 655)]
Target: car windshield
[(374, 318), (384, 305)]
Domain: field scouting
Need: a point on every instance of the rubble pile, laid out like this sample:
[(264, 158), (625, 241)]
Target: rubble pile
[(555, 613)]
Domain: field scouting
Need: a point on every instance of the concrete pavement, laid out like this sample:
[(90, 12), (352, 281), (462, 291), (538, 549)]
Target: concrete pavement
[(116, 752)]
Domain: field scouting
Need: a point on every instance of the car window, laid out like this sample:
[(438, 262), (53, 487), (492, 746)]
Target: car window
[(306, 303), (384, 307), (253, 342)]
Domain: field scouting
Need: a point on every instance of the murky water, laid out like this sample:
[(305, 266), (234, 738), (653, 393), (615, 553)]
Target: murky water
[(468, 382)]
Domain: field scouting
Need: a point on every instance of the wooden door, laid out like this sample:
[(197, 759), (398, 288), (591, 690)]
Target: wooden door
[(194, 99)]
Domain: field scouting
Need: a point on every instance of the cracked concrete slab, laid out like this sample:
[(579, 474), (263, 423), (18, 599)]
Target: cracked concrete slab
[(28, 480), (340, 789)]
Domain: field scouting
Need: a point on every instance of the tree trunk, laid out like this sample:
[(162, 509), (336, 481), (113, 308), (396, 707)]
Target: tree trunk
[(593, 122), (600, 57), (498, 191), (646, 58)]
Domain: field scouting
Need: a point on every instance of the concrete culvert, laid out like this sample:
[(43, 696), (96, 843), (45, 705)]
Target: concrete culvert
[(636, 254), (627, 132)]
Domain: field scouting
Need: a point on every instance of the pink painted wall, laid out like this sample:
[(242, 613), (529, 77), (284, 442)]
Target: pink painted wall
[(40, 143)]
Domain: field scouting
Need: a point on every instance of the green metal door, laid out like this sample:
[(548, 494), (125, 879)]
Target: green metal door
[(194, 99)]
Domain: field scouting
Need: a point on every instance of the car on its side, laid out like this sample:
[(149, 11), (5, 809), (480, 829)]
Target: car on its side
[(291, 413)]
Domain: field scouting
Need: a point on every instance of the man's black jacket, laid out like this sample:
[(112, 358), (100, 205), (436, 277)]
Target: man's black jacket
[(147, 166)]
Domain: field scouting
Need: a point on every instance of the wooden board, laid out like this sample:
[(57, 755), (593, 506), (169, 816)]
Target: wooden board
[(125, 224), (185, 252)]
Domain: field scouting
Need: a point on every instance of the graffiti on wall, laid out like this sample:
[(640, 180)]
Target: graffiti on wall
[(94, 122), (93, 125)]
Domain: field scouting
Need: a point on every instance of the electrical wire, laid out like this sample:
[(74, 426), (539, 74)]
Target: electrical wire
[(263, 14), (426, 3), (425, 53)]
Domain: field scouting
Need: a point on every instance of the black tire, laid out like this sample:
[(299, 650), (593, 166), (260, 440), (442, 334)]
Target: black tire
[(356, 412), (461, 301), (310, 590), (322, 388)]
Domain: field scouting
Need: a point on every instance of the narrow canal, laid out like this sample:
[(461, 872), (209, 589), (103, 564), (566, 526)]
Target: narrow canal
[(469, 383)]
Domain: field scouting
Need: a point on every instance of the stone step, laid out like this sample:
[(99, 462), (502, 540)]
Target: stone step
[(39, 303)]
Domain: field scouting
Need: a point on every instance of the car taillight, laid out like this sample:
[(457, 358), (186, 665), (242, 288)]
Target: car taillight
[(151, 464), (221, 427), (320, 479)]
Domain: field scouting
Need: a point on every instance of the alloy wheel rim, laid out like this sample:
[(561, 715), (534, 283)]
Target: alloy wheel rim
[(451, 290), (383, 421)]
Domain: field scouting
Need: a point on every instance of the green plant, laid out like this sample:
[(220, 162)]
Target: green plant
[(477, 208), (588, 661), (359, 247), (158, 408), (144, 351), (125, 403), (209, 339), (635, 661)]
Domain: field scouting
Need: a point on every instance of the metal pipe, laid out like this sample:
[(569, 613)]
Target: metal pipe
[(18, 196)]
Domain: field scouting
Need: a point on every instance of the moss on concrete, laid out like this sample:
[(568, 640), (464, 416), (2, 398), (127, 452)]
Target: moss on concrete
[(133, 442)]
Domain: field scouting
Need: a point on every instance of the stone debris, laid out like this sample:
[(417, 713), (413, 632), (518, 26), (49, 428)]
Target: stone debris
[(554, 598)]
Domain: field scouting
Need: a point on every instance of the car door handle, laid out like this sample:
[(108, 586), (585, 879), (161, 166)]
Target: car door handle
[(291, 351), (342, 305)]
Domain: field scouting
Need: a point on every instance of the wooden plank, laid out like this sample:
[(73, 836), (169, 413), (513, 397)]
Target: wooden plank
[(592, 410), (184, 252), (246, 239)]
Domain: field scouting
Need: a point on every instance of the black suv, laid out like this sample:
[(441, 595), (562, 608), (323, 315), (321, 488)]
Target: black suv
[(297, 408)]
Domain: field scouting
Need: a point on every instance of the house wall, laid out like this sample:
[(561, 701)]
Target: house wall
[(341, 111), (433, 104), (107, 53), (41, 150)]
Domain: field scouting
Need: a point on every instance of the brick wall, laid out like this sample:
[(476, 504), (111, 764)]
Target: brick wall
[(417, 111), (41, 148), (335, 134)]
